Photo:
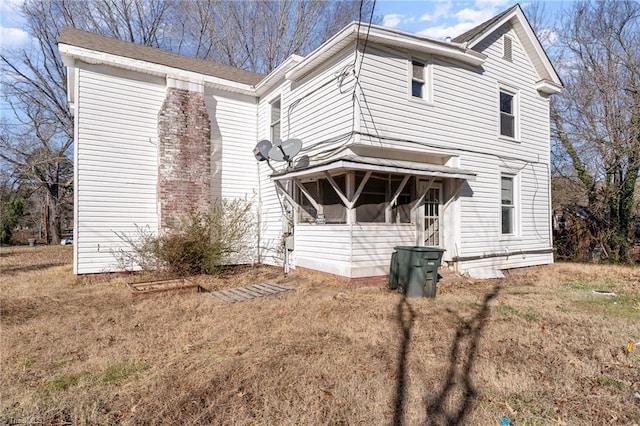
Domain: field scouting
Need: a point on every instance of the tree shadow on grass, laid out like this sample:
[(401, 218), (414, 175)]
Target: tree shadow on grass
[(462, 356), (406, 318), (444, 408)]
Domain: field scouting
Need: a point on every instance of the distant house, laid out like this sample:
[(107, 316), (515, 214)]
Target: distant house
[(411, 141)]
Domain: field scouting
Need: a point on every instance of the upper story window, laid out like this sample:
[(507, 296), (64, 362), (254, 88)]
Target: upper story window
[(508, 114), (417, 79), (507, 48), (275, 120), (420, 76)]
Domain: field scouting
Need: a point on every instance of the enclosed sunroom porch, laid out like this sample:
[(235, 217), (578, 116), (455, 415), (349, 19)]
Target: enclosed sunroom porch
[(348, 214)]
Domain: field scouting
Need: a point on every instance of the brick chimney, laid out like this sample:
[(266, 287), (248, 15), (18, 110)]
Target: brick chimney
[(184, 153)]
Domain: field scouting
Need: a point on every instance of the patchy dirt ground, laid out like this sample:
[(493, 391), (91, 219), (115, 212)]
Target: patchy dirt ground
[(536, 348)]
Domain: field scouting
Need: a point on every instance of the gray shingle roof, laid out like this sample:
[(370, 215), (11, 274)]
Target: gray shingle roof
[(475, 31), (87, 40)]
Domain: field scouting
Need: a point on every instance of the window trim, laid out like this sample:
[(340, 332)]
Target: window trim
[(515, 206), (515, 106), (427, 79)]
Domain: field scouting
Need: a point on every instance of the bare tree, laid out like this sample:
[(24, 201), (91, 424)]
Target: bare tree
[(259, 35), (596, 120), (37, 142)]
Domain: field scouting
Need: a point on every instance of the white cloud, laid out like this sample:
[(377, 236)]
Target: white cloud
[(392, 20), (442, 9), (492, 3), (10, 5), (444, 31), (11, 38), (446, 18), (426, 17), (475, 16)]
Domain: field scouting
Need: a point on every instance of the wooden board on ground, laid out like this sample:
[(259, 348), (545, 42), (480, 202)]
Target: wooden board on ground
[(250, 292)]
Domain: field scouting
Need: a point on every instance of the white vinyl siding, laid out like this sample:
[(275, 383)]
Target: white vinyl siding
[(320, 113), (373, 246), (234, 173), (233, 137), (353, 251), (116, 163), (464, 120), (318, 108)]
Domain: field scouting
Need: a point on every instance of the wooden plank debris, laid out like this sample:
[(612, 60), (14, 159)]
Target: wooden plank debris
[(250, 292)]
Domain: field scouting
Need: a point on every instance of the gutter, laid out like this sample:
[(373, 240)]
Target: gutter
[(272, 78), (386, 37), (70, 54), (505, 253)]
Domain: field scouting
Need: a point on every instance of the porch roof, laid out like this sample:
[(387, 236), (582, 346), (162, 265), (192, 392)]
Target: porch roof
[(353, 162)]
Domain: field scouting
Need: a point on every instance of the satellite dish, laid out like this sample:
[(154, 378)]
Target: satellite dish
[(261, 151), (286, 150)]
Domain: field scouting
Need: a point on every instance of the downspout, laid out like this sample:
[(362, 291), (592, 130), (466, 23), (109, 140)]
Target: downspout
[(549, 193)]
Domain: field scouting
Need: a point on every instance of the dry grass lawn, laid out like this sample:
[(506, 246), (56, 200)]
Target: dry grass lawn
[(537, 348)]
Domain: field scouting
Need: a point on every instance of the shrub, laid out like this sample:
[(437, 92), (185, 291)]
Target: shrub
[(199, 244)]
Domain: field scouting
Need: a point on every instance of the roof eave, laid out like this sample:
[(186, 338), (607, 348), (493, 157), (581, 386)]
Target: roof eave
[(70, 54), (383, 36), (517, 13), (274, 77), (548, 87), (346, 164)]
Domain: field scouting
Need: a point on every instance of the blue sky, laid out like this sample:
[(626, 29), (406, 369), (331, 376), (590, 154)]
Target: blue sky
[(450, 18), (434, 18), (11, 33)]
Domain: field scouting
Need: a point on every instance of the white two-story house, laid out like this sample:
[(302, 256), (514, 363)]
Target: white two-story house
[(406, 140)]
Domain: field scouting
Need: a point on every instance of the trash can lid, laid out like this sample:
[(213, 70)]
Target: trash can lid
[(419, 248)]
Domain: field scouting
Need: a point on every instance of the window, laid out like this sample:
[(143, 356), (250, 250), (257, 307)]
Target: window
[(417, 79), (275, 120), (333, 209), (376, 195), (372, 205), (507, 114), (507, 48), (508, 204)]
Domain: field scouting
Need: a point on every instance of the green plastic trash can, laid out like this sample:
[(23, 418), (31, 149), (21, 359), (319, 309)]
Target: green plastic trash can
[(418, 270)]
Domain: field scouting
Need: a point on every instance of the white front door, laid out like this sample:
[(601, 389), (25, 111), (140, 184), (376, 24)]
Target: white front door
[(432, 225)]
